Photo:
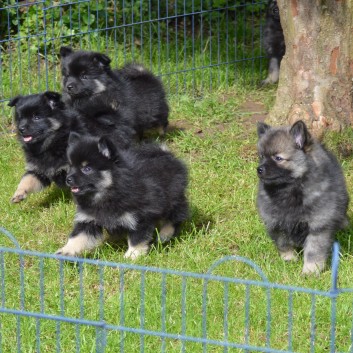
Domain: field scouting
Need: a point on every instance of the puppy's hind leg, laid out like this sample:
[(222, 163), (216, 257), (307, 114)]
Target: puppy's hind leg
[(30, 183)]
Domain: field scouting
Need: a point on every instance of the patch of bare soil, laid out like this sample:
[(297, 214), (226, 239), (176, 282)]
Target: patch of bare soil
[(253, 112)]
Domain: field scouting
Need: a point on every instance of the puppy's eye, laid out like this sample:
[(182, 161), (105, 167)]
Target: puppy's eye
[(278, 158), (83, 76), (36, 117), (86, 170)]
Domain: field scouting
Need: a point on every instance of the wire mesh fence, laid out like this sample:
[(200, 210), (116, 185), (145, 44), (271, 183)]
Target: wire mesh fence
[(61, 304), (194, 46)]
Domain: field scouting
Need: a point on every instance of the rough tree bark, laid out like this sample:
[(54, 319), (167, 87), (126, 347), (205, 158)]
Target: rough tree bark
[(315, 82)]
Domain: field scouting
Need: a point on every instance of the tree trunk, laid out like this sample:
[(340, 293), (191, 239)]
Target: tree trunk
[(315, 82)]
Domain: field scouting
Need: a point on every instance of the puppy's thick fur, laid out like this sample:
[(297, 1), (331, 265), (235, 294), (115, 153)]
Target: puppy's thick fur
[(43, 127), (138, 93), (273, 41), (131, 190), (148, 98), (302, 196), (99, 117)]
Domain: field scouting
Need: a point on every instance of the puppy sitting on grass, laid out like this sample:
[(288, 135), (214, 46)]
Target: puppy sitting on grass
[(302, 195), (129, 190)]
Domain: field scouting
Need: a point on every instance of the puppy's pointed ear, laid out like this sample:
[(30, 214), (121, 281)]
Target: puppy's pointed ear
[(53, 99), (106, 148), (101, 60), (74, 137), (14, 101), (262, 128), (65, 51), (301, 135)]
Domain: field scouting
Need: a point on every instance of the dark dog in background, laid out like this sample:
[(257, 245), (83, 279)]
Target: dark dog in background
[(273, 41), (43, 126), (131, 190), (87, 74), (302, 196)]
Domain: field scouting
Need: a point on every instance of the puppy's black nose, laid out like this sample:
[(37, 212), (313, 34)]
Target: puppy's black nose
[(70, 87), (69, 180), (21, 129), (260, 170)]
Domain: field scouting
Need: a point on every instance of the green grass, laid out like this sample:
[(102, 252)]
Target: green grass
[(215, 134), (214, 137)]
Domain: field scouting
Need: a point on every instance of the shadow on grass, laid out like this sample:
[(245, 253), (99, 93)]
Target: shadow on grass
[(54, 195)]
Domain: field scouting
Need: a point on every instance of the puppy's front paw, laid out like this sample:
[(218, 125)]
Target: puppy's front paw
[(313, 268), (66, 251), (19, 196), (289, 255)]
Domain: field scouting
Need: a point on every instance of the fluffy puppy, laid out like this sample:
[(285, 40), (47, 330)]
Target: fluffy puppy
[(134, 89), (273, 41), (302, 195), (129, 190), (43, 126), (148, 98)]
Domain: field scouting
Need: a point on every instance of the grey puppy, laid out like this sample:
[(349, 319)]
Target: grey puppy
[(302, 195)]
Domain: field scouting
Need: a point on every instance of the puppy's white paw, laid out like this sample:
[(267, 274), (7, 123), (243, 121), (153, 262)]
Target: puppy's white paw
[(66, 251), (19, 196), (313, 268), (289, 255), (133, 252)]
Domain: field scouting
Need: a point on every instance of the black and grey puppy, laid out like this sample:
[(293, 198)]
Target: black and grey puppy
[(131, 190), (273, 40), (148, 98), (138, 93), (302, 196), (43, 127)]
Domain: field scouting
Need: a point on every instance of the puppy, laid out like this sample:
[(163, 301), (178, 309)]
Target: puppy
[(273, 41), (129, 190), (302, 195), (148, 98), (86, 74), (43, 126)]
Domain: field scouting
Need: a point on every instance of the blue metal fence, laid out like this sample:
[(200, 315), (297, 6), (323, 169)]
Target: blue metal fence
[(51, 303), (194, 46)]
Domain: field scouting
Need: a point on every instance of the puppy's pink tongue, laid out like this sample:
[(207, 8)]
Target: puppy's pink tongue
[(75, 190), (27, 138)]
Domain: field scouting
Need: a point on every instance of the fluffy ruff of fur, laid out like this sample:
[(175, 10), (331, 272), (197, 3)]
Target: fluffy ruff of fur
[(123, 191), (133, 91), (43, 126), (273, 41), (302, 196)]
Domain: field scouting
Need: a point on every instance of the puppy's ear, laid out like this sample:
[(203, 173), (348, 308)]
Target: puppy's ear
[(262, 128), (106, 148), (74, 137), (14, 101), (301, 135), (101, 60), (53, 99), (65, 51)]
